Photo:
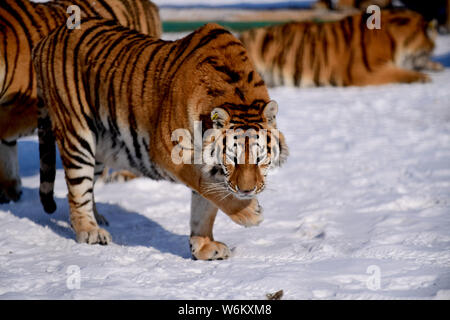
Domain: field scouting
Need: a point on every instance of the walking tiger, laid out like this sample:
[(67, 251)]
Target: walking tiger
[(114, 97)]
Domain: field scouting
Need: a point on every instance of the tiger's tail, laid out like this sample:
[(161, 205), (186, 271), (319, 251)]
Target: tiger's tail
[(47, 155), (47, 148)]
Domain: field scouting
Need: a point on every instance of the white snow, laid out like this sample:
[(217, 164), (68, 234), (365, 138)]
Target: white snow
[(365, 193)]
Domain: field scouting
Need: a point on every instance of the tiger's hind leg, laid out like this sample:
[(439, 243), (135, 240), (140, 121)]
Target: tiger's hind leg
[(79, 163), (10, 184), (202, 244), (18, 115), (98, 172)]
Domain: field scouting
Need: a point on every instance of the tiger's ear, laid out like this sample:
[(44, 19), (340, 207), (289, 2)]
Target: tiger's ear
[(432, 28), (219, 117), (433, 24), (270, 112)]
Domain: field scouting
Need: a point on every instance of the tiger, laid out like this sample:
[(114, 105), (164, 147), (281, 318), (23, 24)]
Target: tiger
[(437, 9), (22, 25), (112, 96), (344, 52)]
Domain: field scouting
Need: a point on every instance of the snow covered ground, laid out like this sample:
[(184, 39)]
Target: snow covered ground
[(361, 210)]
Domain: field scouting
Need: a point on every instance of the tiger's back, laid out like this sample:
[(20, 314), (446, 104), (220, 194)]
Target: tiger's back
[(344, 52)]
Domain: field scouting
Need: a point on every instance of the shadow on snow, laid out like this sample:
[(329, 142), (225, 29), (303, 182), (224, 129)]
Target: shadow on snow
[(126, 228)]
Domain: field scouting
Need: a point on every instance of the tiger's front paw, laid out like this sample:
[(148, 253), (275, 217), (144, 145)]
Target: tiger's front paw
[(424, 78), (94, 236), (203, 248), (435, 66), (250, 216)]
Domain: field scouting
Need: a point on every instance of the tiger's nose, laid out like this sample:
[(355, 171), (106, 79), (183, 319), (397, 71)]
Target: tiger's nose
[(246, 192)]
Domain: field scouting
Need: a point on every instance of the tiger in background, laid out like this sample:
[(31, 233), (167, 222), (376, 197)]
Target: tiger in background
[(431, 10), (115, 97), (22, 25), (344, 52)]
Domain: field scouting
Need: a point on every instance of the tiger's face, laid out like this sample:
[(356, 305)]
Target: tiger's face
[(242, 147), (415, 38)]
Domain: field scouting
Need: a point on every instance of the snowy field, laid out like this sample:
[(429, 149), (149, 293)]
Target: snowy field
[(361, 210)]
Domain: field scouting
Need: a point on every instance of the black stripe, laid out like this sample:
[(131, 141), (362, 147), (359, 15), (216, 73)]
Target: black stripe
[(108, 8), (78, 180), (325, 45), (312, 54), (362, 43), (349, 68), (250, 77), (343, 26), (215, 92), (79, 205), (400, 21), (266, 41), (299, 54), (240, 94), (233, 75), (259, 83), (90, 190), (230, 44)]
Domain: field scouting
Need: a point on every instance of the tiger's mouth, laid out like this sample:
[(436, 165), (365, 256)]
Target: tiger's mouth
[(221, 184), (242, 194), (416, 61)]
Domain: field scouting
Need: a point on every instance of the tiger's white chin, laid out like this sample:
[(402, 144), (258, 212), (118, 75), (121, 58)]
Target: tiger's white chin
[(244, 196), (241, 195)]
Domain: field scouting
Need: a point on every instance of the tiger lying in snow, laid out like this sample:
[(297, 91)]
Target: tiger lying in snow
[(345, 52)]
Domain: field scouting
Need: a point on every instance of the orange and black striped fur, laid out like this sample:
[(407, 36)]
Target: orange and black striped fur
[(345, 52), (116, 97), (22, 25)]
